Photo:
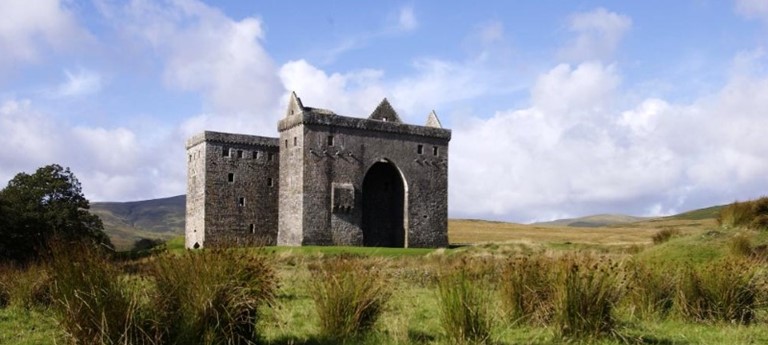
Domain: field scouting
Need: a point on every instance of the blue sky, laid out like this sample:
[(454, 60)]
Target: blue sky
[(558, 109)]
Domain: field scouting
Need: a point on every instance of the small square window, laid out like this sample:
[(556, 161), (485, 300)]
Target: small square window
[(330, 140), (434, 150), (239, 153), (240, 201), (420, 149), (270, 182), (295, 141), (270, 156), (231, 177), (255, 154), (225, 152)]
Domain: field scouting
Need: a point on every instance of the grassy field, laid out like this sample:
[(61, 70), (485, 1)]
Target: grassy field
[(411, 277)]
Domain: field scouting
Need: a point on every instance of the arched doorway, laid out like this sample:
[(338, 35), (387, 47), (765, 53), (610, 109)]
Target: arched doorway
[(383, 206)]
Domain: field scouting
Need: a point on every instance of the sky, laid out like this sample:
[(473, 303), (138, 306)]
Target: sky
[(557, 108)]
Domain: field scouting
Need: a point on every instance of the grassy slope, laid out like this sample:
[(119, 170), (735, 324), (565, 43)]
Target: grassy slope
[(126, 222)]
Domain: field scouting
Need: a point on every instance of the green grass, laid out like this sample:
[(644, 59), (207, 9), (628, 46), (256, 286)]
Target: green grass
[(21, 326), (339, 250)]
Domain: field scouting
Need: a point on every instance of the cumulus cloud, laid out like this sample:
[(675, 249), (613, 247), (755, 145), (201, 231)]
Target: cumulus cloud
[(753, 9), (112, 163), (598, 34), (30, 27)]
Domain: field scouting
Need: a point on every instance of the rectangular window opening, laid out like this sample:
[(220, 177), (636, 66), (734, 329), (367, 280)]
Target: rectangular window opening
[(420, 149), (295, 141), (190, 158), (231, 177), (270, 182), (241, 201), (255, 154), (286, 143), (225, 152), (252, 228), (330, 140), (434, 150), (270, 156), (239, 153)]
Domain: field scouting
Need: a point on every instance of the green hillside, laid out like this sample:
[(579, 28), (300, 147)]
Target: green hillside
[(126, 222), (593, 221)]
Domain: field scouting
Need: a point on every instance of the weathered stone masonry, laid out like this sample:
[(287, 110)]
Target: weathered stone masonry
[(338, 181)]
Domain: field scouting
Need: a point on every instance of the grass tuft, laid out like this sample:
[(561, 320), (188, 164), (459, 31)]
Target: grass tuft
[(665, 235), (464, 307), (349, 294), (528, 289)]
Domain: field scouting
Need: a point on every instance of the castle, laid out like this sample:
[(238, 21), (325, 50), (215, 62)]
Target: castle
[(327, 180)]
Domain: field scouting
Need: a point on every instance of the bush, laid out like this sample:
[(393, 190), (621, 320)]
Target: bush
[(349, 296), (740, 245), (587, 295), (464, 307), (724, 291), (665, 235), (528, 289), (212, 296)]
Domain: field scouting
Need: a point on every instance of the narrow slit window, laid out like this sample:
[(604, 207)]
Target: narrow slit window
[(241, 201), (295, 141), (434, 150), (269, 182), (255, 154), (420, 149), (252, 228), (231, 177), (239, 153), (190, 158), (286, 143), (330, 140), (225, 152)]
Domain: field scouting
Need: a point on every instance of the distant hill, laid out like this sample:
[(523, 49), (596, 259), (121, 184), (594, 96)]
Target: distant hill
[(594, 221), (126, 222)]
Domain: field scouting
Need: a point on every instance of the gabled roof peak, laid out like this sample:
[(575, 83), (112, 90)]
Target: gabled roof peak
[(294, 105), (385, 112), (433, 121)]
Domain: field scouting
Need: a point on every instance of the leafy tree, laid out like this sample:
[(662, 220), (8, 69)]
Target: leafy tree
[(35, 208)]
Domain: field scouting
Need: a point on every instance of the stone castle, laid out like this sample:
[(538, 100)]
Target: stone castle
[(327, 180)]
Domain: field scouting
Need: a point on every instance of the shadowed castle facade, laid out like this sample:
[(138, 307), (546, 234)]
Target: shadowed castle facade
[(327, 180)]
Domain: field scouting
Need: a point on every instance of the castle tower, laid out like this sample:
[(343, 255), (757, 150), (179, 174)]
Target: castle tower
[(355, 181)]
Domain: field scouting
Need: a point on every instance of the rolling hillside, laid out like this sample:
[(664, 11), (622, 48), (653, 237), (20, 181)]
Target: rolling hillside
[(126, 222)]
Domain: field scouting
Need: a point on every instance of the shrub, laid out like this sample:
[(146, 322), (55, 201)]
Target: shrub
[(349, 296), (464, 307), (724, 291), (740, 245), (748, 214), (665, 235), (587, 294), (528, 289), (211, 296)]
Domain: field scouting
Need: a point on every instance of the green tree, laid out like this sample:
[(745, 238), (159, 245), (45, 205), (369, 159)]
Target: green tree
[(35, 208)]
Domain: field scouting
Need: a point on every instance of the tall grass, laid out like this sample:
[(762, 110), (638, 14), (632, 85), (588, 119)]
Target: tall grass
[(349, 294), (528, 289), (665, 235), (93, 304), (26, 287), (726, 290), (747, 214), (212, 296), (587, 296), (464, 307), (650, 289)]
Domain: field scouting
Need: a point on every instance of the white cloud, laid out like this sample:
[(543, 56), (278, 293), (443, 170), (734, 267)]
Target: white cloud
[(81, 83), (407, 19), (598, 34), (29, 27)]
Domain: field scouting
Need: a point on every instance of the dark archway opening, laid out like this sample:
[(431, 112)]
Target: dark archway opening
[(383, 207)]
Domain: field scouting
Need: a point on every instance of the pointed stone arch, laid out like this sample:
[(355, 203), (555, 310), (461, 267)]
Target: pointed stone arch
[(385, 206)]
